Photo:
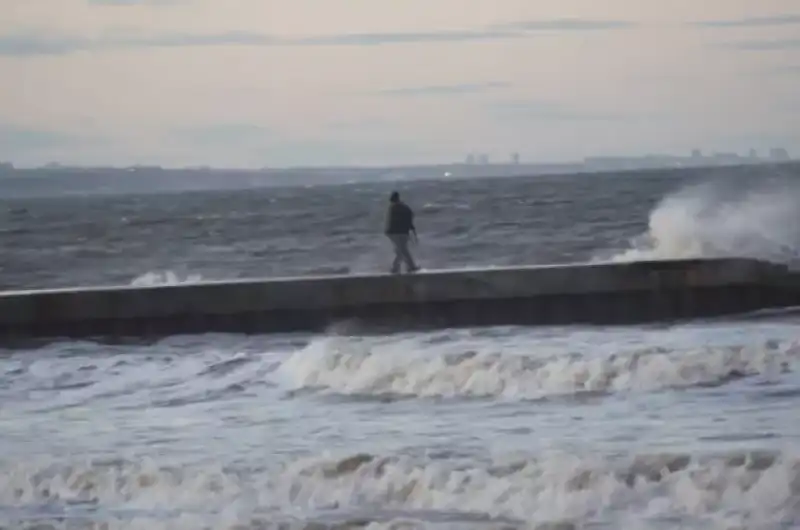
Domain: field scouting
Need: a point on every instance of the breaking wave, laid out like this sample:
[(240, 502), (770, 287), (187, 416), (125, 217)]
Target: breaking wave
[(750, 489), (154, 278), (349, 367), (723, 218)]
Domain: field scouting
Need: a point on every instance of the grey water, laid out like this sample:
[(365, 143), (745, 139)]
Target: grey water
[(664, 426)]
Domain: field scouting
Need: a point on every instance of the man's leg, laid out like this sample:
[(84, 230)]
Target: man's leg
[(405, 253), (397, 254)]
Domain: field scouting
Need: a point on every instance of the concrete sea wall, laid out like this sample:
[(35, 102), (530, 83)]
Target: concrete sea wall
[(607, 293)]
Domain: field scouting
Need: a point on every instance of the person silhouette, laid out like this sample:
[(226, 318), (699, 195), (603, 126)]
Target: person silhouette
[(399, 228)]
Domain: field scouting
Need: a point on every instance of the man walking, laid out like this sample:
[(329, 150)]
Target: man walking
[(399, 227)]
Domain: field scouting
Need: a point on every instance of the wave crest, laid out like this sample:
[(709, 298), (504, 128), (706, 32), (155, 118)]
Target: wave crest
[(732, 490), (350, 367), (723, 218), (155, 278)]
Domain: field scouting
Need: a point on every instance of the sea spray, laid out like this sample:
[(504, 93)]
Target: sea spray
[(723, 218)]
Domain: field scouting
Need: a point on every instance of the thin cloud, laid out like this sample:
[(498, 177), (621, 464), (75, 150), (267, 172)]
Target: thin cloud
[(502, 31), (444, 90), (751, 22), (20, 45), (212, 39), (765, 45), (568, 24), (133, 2), (31, 44), (378, 39)]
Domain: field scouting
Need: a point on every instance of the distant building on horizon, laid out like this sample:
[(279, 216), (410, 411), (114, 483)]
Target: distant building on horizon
[(779, 154)]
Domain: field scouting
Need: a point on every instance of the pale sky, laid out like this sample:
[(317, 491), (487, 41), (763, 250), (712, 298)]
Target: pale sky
[(251, 83)]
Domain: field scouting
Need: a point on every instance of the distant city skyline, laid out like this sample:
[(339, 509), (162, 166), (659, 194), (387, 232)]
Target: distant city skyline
[(696, 158), (775, 154), (247, 83)]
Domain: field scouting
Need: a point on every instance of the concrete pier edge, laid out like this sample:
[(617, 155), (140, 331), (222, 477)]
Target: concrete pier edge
[(597, 293)]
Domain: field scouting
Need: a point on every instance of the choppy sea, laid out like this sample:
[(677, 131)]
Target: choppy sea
[(656, 427)]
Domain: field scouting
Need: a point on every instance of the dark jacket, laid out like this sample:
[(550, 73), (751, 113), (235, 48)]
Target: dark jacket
[(399, 219)]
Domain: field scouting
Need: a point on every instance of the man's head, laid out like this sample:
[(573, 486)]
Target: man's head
[(394, 197)]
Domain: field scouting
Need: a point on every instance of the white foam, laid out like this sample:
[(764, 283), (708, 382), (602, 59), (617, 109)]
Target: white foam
[(363, 367), (723, 219), (742, 490), (153, 278)]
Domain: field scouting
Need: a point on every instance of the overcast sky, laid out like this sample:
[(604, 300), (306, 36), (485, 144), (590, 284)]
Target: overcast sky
[(287, 82)]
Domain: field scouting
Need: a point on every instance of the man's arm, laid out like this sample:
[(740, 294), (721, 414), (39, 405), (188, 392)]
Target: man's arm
[(387, 221), (411, 224)]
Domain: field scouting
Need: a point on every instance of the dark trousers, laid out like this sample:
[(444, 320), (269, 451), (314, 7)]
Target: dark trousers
[(401, 253)]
